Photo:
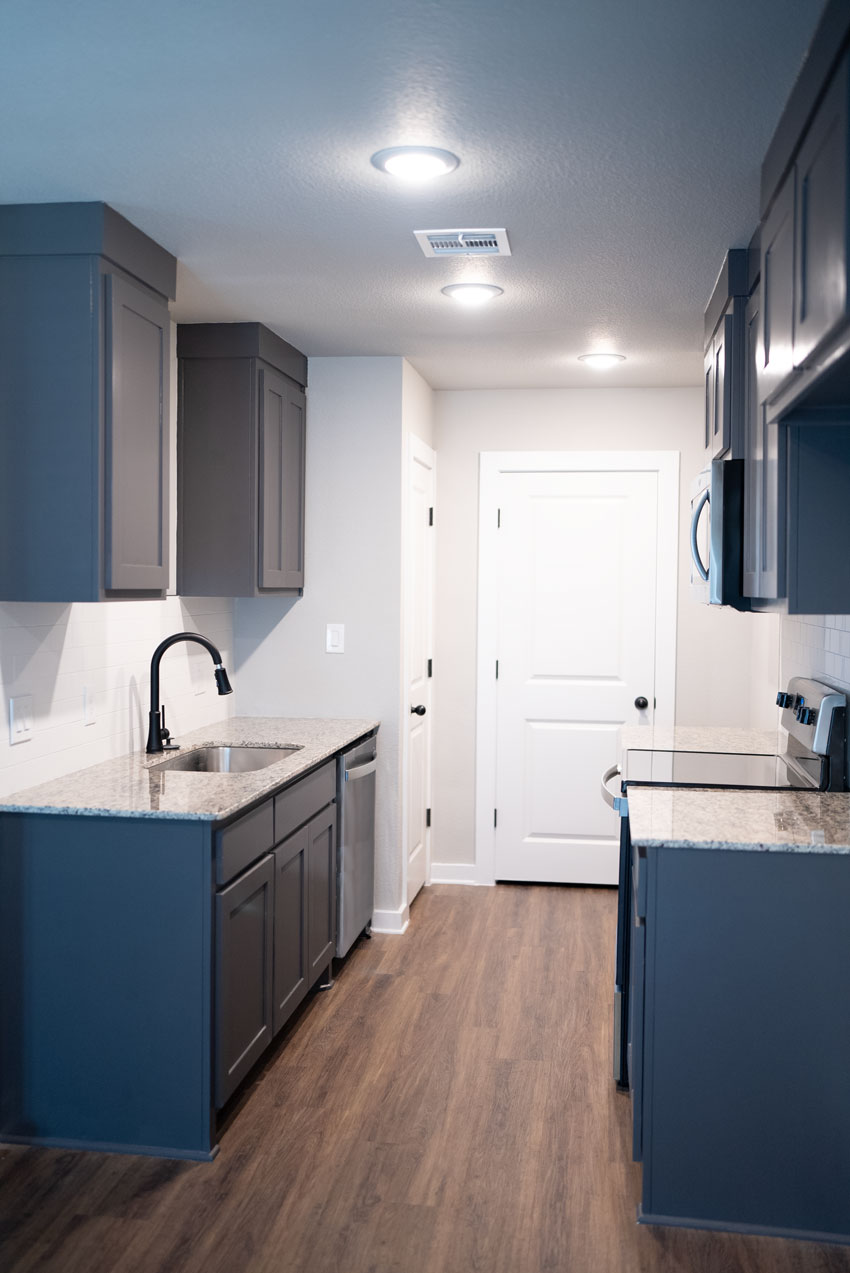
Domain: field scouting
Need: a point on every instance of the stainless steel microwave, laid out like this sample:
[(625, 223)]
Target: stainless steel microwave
[(717, 535)]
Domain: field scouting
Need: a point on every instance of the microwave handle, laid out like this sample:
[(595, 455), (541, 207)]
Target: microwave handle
[(704, 499)]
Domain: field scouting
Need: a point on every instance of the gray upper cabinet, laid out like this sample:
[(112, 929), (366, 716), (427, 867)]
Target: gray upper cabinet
[(241, 453), (724, 360), (84, 403), (805, 255), (821, 264)]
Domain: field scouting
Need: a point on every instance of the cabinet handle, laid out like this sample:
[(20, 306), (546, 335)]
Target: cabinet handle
[(704, 499)]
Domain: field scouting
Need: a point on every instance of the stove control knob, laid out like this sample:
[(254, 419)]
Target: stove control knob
[(806, 715), (784, 700)]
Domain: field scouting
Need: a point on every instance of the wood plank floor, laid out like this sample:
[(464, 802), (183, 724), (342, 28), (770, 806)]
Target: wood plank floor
[(447, 1107)]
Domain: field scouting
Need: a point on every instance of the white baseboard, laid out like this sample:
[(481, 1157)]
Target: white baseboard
[(453, 873), (395, 922)]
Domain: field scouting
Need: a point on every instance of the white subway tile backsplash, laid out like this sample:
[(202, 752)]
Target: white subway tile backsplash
[(818, 646), (55, 652)]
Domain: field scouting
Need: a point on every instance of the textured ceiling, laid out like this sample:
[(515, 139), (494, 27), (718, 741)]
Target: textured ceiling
[(619, 143)]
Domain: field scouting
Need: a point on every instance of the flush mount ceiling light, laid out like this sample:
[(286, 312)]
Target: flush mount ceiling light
[(472, 293), (602, 362), (415, 163)]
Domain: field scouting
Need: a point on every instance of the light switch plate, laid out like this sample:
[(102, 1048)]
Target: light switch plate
[(20, 719), (335, 639)]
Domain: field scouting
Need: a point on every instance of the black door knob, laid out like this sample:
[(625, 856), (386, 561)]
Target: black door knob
[(418, 711), (641, 703)]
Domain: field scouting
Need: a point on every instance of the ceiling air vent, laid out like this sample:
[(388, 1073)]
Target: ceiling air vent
[(463, 242)]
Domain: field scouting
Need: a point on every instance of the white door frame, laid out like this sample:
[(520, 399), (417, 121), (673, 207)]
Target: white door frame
[(415, 448), (493, 465)]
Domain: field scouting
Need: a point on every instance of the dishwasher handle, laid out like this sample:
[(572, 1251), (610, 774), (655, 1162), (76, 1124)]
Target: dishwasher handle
[(360, 771)]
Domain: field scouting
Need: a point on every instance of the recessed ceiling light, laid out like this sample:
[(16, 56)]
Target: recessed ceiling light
[(415, 163), (601, 362), (472, 293)]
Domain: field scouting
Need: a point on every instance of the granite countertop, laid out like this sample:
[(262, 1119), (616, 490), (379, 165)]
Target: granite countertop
[(700, 738), (766, 821), (137, 786)]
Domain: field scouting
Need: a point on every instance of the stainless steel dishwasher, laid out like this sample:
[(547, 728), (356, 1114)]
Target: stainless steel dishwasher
[(356, 854)]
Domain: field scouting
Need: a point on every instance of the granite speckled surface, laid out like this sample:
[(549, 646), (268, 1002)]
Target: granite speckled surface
[(770, 821), (137, 786), (701, 738)]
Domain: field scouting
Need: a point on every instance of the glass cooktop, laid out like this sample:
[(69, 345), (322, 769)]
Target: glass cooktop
[(707, 769)]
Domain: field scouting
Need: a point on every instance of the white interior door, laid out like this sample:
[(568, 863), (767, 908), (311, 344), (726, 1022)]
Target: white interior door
[(577, 560), (419, 644)]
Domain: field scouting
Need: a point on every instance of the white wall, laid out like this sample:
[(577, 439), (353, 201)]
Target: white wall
[(353, 575), (717, 647), (54, 652)]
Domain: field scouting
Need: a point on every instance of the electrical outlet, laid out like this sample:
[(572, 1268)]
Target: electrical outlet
[(335, 638), (20, 719)]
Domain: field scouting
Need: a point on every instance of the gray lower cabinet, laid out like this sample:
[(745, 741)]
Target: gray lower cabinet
[(244, 925), (275, 923), (241, 454), (741, 1040), (84, 397)]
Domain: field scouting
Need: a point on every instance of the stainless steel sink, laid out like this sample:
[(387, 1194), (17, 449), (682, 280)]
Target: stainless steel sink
[(226, 760)]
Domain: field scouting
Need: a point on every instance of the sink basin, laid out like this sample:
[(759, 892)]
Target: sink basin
[(226, 760)]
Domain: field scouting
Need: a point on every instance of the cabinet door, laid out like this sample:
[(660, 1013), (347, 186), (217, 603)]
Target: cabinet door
[(290, 926), (137, 406), (821, 248), (710, 401), (753, 457), (281, 508), (321, 891), (243, 985), (775, 356)]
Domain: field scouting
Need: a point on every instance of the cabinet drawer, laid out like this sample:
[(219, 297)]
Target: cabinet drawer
[(297, 804), (240, 844)]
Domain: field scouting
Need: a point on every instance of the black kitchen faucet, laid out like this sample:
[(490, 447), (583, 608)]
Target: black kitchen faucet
[(159, 739)]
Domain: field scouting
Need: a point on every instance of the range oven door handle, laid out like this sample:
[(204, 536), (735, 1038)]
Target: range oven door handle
[(618, 803), (701, 569)]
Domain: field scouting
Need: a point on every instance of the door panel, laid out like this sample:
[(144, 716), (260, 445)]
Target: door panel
[(321, 891), (576, 647), (281, 512), (137, 404)]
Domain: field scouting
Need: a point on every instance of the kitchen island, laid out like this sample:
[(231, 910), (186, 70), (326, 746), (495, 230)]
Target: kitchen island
[(157, 928), (740, 1031)]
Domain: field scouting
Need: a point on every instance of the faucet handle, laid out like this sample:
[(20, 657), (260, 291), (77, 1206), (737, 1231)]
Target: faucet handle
[(165, 734)]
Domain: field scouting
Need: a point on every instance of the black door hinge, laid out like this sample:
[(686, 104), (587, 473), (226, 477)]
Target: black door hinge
[(495, 817), (430, 517), (497, 669), (430, 667), (427, 817), (498, 519)]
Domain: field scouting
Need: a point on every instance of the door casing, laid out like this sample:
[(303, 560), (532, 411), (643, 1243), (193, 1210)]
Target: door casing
[(493, 465)]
